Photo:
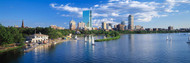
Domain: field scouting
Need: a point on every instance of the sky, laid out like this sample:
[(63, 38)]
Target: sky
[(147, 13)]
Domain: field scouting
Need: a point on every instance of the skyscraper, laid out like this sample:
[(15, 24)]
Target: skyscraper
[(22, 24), (131, 22), (104, 25), (72, 25), (87, 18)]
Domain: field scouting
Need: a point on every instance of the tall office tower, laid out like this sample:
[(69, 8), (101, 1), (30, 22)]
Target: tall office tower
[(131, 22), (170, 28), (72, 25), (81, 25), (104, 25), (123, 22), (22, 24), (87, 18)]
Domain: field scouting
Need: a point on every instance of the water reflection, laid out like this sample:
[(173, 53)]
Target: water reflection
[(89, 43), (131, 42), (132, 48), (169, 41), (8, 57), (188, 44)]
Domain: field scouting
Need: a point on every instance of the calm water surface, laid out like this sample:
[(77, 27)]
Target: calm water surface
[(130, 48)]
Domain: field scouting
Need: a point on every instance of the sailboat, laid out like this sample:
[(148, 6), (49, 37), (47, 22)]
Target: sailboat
[(76, 37), (85, 38), (167, 38), (93, 41)]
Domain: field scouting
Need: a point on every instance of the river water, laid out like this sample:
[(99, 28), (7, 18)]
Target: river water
[(130, 48)]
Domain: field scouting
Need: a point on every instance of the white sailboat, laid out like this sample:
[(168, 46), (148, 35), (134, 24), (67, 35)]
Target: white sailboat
[(76, 37), (167, 38), (85, 39), (93, 41)]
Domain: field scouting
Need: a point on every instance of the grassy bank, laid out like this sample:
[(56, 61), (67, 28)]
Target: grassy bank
[(9, 49), (108, 39)]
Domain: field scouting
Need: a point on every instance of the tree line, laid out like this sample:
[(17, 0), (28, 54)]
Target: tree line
[(9, 35)]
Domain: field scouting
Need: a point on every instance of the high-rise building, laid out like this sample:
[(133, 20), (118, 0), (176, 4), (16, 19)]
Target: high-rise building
[(120, 27), (131, 22), (170, 28), (104, 25), (81, 25), (22, 24), (123, 22), (87, 18), (72, 25)]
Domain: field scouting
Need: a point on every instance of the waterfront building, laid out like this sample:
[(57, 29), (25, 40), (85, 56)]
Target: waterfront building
[(115, 26), (36, 38), (56, 27), (138, 27), (53, 26), (72, 25), (22, 24), (109, 26), (155, 29), (170, 28), (87, 18), (60, 28), (126, 28), (16, 26), (81, 25), (94, 28), (104, 25), (183, 29), (131, 22), (120, 27), (149, 29)]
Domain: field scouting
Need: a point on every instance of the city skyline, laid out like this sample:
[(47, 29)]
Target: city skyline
[(60, 13)]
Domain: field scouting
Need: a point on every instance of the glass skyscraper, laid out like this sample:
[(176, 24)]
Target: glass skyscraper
[(87, 18)]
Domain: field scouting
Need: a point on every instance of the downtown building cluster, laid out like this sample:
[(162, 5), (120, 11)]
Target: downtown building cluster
[(86, 24)]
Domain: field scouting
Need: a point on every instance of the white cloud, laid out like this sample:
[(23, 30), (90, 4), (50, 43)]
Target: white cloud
[(68, 8), (115, 14), (120, 9), (98, 22), (65, 15), (96, 5)]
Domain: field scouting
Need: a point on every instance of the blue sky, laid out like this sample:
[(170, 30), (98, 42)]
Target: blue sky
[(147, 13)]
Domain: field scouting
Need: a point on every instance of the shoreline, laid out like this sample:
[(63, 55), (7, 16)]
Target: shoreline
[(10, 49), (56, 41)]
